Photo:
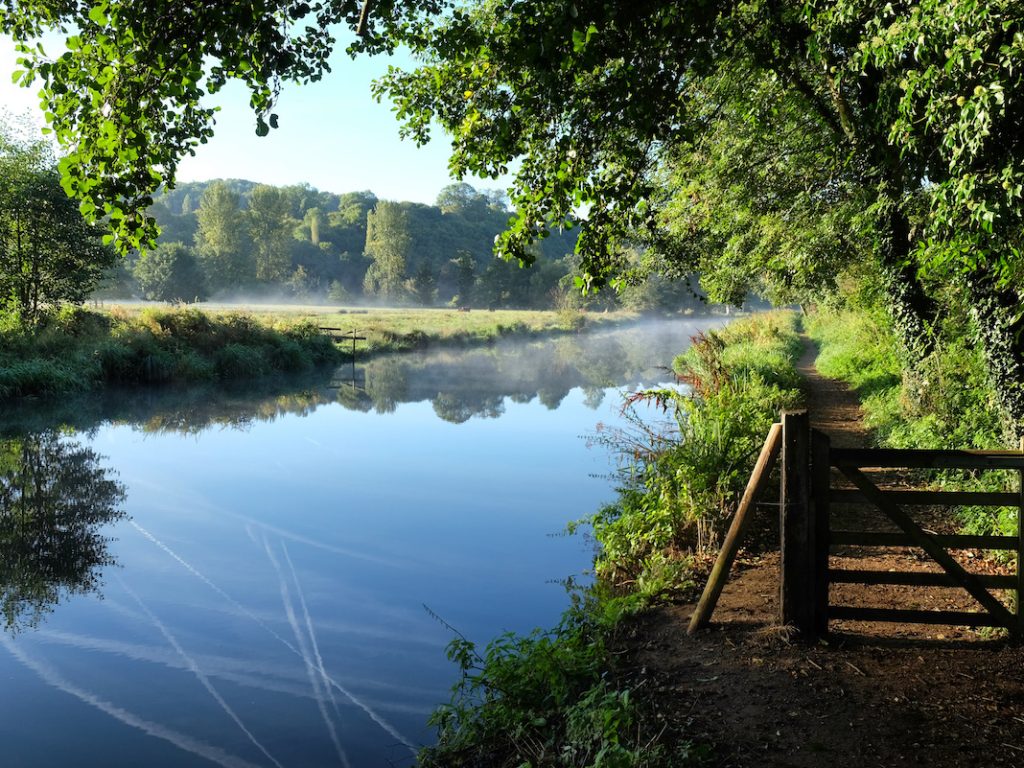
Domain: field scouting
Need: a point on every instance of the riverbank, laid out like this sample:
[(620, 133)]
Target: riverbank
[(873, 694), (566, 696), (78, 350), (740, 694)]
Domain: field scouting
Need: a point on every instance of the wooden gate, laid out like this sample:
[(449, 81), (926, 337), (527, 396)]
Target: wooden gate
[(807, 512)]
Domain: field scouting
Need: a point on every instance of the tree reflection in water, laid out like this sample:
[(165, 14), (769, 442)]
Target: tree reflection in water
[(463, 384), (55, 499)]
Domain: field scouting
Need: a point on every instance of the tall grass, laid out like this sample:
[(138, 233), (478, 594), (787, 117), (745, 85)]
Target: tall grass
[(945, 403), (75, 350), (680, 486)]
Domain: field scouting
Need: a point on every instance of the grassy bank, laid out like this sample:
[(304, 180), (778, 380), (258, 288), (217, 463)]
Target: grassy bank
[(76, 350), (946, 402), (553, 698), (400, 330)]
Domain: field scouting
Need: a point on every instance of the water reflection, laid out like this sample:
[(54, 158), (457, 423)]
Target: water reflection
[(460, 384), (55, 500), (464, 384), (282, 542)]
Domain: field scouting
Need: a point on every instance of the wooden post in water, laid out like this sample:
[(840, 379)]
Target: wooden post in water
[(797, 599), (354, 338), (733, 539)]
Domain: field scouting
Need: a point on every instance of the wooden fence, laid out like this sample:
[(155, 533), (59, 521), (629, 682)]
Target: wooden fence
[(810, 467)]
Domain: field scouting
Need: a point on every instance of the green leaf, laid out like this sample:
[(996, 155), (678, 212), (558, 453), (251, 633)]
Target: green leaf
[(580, 38), (98, 14)]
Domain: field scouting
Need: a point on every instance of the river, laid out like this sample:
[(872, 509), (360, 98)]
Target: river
[(270, 579)]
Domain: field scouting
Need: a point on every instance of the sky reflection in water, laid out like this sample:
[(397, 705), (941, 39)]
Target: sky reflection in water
[(264, 562)]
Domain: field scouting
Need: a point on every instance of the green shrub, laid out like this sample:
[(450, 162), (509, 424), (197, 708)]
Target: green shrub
[(288, 356), (19, 378), (679, 489), (135, 358), (236, 361), (545, 699)]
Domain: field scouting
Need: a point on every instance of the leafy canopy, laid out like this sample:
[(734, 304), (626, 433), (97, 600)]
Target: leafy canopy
[(586, 101), (124, 100)]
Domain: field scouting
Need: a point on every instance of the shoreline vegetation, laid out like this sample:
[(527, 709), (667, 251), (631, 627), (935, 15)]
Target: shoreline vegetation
[(568, 696), (74, 350), (946, 402), (557, 697)]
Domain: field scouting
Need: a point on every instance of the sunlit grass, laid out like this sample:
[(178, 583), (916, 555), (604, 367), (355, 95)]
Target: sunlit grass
[(396, 329)]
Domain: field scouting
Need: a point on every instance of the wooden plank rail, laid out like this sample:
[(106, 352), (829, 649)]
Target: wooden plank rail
[(929, 498), (915, 578), (949, 541), (926, 459), (720, 572), (912, 616)]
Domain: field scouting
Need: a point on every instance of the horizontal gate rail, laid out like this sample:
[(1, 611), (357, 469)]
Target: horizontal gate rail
[(949, 541), (910, 616), (926, 459), (929, 498), (915, 578)]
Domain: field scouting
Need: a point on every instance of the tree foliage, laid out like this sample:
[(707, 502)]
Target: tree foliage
[(48, 253), (269, 232), (265, 236), (221, 237), (124, 99), (170, 272), (589, 97), (388, 243)]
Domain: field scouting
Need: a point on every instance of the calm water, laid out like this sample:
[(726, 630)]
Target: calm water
[(196, 578)]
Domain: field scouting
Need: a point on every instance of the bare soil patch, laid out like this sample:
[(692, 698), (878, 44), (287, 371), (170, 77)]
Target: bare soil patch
[(873, 694)]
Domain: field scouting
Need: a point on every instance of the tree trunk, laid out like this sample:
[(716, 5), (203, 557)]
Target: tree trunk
[(912, 311), (1000, 327)]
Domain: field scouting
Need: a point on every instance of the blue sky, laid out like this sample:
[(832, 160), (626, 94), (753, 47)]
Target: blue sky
[(332, 135)]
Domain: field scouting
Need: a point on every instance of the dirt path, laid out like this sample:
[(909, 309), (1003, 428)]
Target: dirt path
[(872, 695)]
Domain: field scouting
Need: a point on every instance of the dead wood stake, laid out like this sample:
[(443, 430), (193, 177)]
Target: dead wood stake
[(720, 571)]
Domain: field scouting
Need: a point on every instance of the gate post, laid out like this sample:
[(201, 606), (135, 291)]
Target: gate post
[(797, 599), (1017, 632), (821, 468)]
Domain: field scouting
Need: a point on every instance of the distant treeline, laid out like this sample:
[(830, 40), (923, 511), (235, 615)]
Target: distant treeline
[(235, 238)]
